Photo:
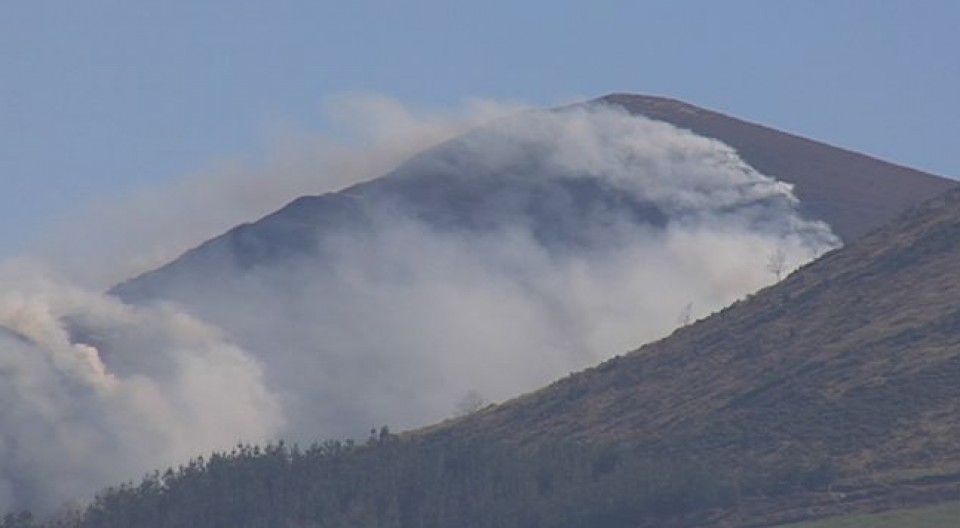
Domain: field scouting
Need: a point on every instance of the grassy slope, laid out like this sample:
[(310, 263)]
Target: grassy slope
[(939, 516)]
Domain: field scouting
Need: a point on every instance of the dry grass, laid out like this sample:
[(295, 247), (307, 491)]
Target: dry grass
[(939, 516)]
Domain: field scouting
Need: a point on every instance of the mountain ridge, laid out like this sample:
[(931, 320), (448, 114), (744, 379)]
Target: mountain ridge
[(855, 194), (874, 190)]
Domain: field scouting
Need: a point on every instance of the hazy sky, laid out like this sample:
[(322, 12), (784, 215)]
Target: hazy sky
[(101, 96)]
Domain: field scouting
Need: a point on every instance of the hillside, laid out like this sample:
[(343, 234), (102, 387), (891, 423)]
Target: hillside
[(833, 392), (852, 192), (851, 361), (535, 247), (938, 516)]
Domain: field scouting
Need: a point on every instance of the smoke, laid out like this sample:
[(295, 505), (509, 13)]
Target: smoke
[(366, 136), (96, 392), (495, 263), (487, 266), (71, 425)]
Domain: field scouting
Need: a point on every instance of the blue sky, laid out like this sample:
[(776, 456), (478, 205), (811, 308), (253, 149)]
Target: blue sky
[(100, 97)]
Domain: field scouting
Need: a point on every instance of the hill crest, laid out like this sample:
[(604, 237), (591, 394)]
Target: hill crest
[(853, 192)]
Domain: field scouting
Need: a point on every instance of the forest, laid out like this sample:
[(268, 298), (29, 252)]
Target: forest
[(393, 482)]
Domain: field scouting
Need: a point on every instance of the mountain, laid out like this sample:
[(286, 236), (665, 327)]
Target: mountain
[(852, 192), (512, 255), (831, 392)]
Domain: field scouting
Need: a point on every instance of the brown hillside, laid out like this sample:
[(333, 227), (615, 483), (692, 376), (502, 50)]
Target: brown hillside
[(853, 362), (851, 192)]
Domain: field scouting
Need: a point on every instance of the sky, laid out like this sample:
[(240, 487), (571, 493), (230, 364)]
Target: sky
[(102, 98)]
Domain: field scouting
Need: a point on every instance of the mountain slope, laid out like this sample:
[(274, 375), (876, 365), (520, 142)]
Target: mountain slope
[(832, 392), (851, 192), (852, 360)]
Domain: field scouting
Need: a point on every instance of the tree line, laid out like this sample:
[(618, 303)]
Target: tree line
[(389, 482)]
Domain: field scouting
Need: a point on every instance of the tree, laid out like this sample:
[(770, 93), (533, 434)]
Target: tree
[(686, 315), (776, 263), (471, 403)]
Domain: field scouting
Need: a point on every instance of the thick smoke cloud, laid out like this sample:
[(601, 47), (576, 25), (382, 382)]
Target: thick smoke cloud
[(175, 388), (95, 392), (426, 305), (395, 323)]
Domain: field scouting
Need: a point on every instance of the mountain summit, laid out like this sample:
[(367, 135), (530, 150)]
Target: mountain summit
[(852, 192)]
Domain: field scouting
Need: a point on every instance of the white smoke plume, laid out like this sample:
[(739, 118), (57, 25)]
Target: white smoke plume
[(393, 324), (71, 425), (396, 322)]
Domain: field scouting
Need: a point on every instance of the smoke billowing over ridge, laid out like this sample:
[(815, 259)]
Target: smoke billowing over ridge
[(490, 265), (368, 135)]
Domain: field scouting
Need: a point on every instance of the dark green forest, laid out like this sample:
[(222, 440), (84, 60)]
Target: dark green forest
[(401, 483)]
